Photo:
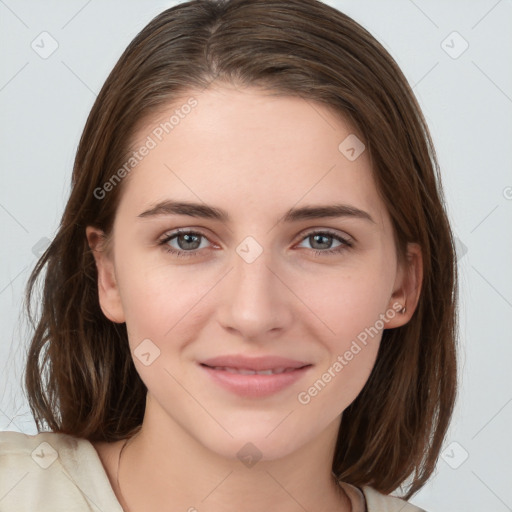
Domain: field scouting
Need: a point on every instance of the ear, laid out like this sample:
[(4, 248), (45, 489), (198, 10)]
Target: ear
[(407, 288), (108, 291)]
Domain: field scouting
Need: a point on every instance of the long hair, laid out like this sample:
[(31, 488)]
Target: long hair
[(80, 377)]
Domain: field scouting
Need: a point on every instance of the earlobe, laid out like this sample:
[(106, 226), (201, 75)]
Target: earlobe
[(406, 294), (108, 291)]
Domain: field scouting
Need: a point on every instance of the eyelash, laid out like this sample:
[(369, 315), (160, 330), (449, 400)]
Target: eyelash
[(345, 244)]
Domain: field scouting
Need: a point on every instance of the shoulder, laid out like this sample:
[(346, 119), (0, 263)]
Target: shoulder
[(16, 443), (378, 502), (43, 451), (50, 471)]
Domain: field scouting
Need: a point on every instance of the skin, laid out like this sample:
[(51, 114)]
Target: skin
[(255, 156)]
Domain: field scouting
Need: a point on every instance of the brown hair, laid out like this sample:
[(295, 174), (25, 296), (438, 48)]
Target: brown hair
[(80, 376)]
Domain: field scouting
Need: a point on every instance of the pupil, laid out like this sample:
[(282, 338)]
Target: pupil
[(189, 240), (316, 237)]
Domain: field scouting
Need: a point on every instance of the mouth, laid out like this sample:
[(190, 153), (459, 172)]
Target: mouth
[(248, 371), (254, 378)]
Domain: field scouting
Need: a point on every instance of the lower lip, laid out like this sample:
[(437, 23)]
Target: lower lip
[(255, 386)]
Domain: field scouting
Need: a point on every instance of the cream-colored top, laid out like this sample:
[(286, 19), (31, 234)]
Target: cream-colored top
[(50, 472)]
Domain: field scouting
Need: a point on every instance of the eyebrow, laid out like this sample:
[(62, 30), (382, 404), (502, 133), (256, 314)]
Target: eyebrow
[(169, 207)]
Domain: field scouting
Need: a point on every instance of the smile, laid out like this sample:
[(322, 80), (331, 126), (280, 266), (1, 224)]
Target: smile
[(250, 383), (244, 371)]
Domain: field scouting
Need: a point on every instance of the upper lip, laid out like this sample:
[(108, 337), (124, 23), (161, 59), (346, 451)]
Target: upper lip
[(254, 363)]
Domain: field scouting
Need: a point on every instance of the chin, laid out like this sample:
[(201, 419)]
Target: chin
[(254, 441)]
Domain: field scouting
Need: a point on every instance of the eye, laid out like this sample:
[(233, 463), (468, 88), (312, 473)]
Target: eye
[(189, 242), (323, 240)]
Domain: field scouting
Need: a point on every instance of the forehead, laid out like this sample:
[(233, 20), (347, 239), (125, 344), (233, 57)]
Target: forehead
[(249, 148)]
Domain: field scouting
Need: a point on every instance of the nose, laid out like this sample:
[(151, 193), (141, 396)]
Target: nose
[(256, 299)]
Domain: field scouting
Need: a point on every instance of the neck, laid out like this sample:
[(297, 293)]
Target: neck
[(172, 471)]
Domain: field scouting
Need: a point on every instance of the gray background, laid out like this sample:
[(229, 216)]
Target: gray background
[(467, 100)]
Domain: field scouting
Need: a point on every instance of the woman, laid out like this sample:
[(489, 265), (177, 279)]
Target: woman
[(300, 353)]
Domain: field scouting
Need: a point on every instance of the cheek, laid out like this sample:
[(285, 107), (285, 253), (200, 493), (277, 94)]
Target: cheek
[(351, 307), (158, 299), (348, 300), (161, 307), (351, 352)]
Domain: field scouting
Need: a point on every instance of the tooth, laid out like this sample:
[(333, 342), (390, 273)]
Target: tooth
[(246, 372)]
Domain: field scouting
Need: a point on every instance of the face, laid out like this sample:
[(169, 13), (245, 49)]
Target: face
[(261, 276)]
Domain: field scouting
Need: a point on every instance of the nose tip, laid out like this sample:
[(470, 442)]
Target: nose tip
[(254, 304)]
